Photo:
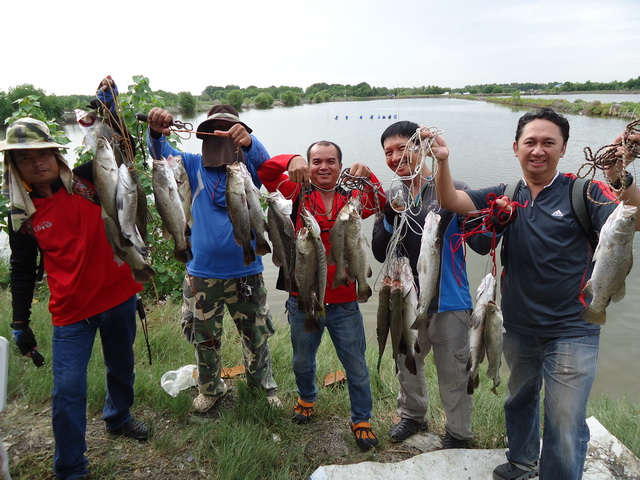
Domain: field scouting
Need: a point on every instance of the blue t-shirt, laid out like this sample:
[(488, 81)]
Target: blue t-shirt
[(547, 259), (215, 252)]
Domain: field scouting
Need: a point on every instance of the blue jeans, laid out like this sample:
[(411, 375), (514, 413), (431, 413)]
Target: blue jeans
[(71, 350), (567, 366), (345, 325)]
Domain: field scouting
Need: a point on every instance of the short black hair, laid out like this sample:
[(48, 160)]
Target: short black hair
[(544, 114), (324, 143), (404, 129)]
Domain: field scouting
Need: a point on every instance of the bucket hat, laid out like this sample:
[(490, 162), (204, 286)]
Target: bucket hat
[(28, 133), (218, 151)]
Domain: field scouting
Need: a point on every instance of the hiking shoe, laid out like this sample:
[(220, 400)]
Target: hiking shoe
[(510, 471), (133, 429), (204, 403), (302, 411), (365, 438), (452, 442), (405, 428), (273, 400)]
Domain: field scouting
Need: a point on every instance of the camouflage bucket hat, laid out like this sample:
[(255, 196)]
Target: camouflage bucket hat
[(28, 133)]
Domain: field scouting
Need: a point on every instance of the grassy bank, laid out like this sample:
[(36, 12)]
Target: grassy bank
[(241, 438), (624, 110)]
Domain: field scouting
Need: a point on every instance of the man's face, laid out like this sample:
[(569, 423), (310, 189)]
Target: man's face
[(324, 165), (38, 166), (539, 149), (398, 157)]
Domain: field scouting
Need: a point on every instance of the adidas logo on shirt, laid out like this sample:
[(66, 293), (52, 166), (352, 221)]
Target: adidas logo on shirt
[(557, 213)]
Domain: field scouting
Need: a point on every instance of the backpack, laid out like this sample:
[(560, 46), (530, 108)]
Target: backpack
[(578, 206)]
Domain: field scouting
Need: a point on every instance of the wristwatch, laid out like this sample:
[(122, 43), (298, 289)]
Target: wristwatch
[(628, 181)]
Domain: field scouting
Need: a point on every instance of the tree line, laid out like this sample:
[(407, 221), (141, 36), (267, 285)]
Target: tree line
[(54, 106)]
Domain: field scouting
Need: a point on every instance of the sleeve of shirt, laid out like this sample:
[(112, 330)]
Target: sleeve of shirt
[(603, 206), (380, 239), (159, 147), (480, 244), (255, 156), (24, 267), (273, 175)]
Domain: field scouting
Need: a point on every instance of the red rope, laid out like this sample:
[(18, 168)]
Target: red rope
[(491, 217)]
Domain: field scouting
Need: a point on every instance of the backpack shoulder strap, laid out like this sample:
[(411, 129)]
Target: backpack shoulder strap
[(511, 189), (579, 208)]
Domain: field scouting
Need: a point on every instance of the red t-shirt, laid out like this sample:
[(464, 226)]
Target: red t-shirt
[(83, 276)]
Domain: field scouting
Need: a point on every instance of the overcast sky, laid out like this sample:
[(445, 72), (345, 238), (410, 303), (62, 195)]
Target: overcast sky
[(66, 47)]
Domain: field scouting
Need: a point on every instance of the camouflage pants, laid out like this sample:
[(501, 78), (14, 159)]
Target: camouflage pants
[(202, 313)]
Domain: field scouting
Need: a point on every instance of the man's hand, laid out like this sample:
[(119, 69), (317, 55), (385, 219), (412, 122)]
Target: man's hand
[(106, 83), (439, 149), (24, 338), (238, 134), (160, 120), (299, 171), (360, 170)]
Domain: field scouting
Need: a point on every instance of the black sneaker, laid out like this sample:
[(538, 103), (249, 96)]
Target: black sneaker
[(405, 428), (452, 442), (509, 471), (365, 438), (133, 429)]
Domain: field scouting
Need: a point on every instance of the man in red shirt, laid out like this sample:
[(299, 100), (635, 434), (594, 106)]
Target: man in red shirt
[(343, 319), (54, 210)]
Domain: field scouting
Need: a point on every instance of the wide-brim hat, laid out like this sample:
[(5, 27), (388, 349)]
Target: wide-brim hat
[(220, 117), (28, 133), (218, 151)]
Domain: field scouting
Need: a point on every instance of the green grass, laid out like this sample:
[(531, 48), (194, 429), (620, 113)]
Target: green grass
[(243, 438)]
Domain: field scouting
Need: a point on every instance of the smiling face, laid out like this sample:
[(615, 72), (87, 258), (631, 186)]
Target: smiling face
[(397, 156), (39, 167), (325, 165), (539, 149)]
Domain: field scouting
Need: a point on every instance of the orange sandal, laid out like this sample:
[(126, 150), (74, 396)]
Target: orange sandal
[(302, 411), (365, 438)]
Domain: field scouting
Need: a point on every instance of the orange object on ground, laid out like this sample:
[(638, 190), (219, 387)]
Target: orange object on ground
[(334, 378)]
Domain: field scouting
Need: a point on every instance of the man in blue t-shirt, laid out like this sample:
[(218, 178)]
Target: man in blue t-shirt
[(219, 273), (547, 260)]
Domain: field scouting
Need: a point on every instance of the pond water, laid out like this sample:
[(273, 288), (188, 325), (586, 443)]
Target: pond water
[(480, 136)]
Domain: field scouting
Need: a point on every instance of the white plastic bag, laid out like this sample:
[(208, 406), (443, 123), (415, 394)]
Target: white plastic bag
[(175, 380)]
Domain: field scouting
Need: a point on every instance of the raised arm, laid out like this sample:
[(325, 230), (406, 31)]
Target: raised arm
[(455, 200)]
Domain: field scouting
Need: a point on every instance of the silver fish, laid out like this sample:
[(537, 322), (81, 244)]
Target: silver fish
[(184, 188), (105, 176), (256, 213), (486, 292), (354, 249), (493, 330), (93, 128), (238, 212), (383, 324), (476, 354), (169, 205), (127, 206), (310, 271), (613, 261), (409, 312), (282, 236), (337, 252), (140, 270), (428, 266)]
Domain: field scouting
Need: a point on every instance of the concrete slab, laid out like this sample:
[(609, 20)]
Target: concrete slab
[(607, 459)]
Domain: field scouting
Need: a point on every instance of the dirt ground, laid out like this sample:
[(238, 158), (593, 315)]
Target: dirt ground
[(28, 440)]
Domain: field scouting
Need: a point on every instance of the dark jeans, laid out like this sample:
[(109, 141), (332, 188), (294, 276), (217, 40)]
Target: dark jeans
[(72, 346)]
